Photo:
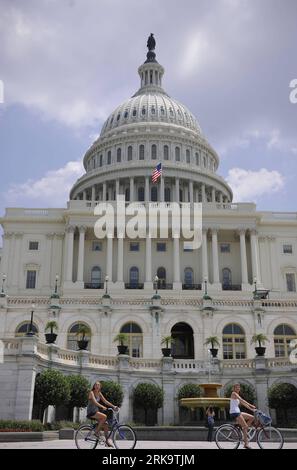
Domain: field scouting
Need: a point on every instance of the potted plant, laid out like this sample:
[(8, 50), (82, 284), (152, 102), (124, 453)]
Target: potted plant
[(122, 338), (82, 332), (260, 339), (51, 336), (213, 341), (167, 340)]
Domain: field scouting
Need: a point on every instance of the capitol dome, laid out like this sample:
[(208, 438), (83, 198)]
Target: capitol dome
[(147, 129)]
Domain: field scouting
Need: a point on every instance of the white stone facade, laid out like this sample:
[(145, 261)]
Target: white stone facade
[(241, 248)]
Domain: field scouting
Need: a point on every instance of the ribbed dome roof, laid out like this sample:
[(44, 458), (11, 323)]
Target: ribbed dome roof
[(151, 107)]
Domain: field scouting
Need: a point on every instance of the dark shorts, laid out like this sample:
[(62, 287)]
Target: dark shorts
[(234, 415), (90, 415)]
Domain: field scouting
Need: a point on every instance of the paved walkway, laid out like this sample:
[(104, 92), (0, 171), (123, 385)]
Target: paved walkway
[(69, 444)]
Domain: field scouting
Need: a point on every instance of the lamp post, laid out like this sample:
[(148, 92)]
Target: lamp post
[(156, 279), (3, 281), (106, 282), (31, 332), (205, 285)]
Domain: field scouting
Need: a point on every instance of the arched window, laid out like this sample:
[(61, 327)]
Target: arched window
[(167, 194), (100, 160), (143, 111), (134, 112), (72, 337), (24, 328), (197, 158), (118, 117), (130, 154), (234, 342), (283, 335), (189, 277), (109, 157), (181, 195), (135, 339), (134, 277), (227, 278), (141, 193), (162, 110), (119, 155), (204, 162), (141, 152), (183, 346), (96, 277), (177, 154), (153, 110), (154, 194), (161, 273), (154, 152), (126, 114), (188, 157), (166, 152)]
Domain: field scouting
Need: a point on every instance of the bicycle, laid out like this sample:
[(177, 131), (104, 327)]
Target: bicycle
[(122, 435), (229, 436)]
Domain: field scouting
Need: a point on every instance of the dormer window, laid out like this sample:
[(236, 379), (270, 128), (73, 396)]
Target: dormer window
[(126, 114), (134, 112), (118, 117), (153, 110), (162, 110), (143, 111)]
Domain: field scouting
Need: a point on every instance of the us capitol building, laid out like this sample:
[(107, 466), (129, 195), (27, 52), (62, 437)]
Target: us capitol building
[(241, 282)]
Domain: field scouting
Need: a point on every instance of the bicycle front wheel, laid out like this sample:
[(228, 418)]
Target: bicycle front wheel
[(124, 437), (227, 437), (85, 437), (270, 438)]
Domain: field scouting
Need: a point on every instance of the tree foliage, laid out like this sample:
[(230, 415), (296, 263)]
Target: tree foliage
[(51, 388), (282, 396), (79, 389), (148, 396), (113, 392)]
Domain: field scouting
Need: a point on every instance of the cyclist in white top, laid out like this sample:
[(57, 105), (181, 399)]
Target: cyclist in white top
[(243, 419)]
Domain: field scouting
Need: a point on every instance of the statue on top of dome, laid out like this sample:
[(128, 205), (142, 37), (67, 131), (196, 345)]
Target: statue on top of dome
[(151, 43)]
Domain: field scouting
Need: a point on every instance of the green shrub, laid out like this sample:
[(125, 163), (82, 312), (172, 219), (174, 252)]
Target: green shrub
[(282, 396), (57, 425), (113, 392), (148, 397), (189, 391), (15, 425), (51, 388)]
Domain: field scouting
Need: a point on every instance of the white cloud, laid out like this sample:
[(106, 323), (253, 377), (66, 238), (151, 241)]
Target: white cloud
[(52, 190), (248, 185)]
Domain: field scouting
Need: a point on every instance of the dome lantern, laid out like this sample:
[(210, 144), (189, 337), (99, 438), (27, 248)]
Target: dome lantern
[(151, 72)]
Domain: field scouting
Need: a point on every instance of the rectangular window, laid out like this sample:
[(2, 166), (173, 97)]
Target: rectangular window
[(188, 250), (291, 284), (33, 246), (287, 249), (31, 280), (225, 247), (134, 246), (96, 246), (161, 246)]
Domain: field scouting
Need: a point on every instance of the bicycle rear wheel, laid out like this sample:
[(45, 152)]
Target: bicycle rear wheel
[(124, 437), (85, 437), (270, 438), (227, 437)]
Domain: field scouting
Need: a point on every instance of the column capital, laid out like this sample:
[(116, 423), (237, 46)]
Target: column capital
[(18, 234), (214, 230), (50, 236), (8, 235), (241, 230), (254, 231), (59, 235), (82, 228), (70, 228)]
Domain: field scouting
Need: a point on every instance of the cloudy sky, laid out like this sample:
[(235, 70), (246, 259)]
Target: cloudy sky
[(66, 64)]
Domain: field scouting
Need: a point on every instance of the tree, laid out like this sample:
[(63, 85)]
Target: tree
[(79, 388), (51, 388), (260, 339), (247, 392), (213, 341), (282, 397), (189, 391), (113, 392), (148, 397)]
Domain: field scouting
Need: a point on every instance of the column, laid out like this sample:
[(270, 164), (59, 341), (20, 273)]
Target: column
[(243, 260), (109, 257), (16, 259), (120, 267), (191, 189), (93, 193), (81, 255), (203, 193), (148, 263), (104, 191), (147, 189), (162, 189), (110, 191), (177, 190), (69, 250), (117, 187), (176, 263), (221, 198), (215, 258), (213, 195), (273, 263), (255, 257), (47, 265), (7, 242), (131, 189), (84, 195), (204, 256)]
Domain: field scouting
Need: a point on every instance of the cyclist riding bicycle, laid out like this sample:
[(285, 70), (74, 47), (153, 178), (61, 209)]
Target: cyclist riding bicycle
[(96, 410), (244, 420)]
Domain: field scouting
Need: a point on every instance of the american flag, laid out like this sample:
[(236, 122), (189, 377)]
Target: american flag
[(157, 173)]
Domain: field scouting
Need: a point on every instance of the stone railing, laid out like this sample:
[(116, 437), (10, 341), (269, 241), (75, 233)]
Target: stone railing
[(191, 364), (103, 362), (238, 364), (279, 362), (12, 345), (145, 364)]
